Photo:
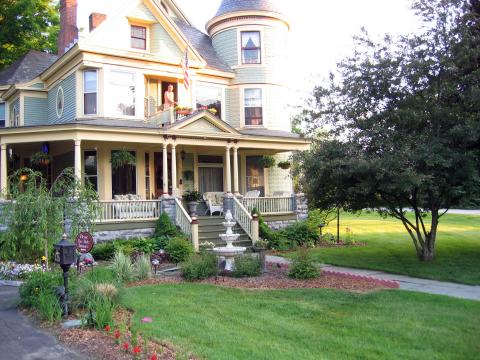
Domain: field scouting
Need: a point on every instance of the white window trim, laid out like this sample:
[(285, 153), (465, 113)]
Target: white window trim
[(60, 90), (242, 105), (83, 92), (239, 46), (147, 37)]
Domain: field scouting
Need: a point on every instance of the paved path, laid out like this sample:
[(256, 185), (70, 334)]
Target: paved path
[(406, 282), (20, 340), (463, 212)]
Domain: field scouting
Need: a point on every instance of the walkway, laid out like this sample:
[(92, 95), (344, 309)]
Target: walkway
[(406, 282), (20, 340)]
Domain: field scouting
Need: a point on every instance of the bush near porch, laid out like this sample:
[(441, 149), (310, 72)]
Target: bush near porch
[(389, 248)]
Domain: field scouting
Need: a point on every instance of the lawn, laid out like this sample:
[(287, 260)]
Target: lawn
[(220, 323), (389, 248)]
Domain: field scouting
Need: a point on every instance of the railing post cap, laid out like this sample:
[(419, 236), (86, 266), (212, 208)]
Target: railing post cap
[(194, 220), (255, 217)]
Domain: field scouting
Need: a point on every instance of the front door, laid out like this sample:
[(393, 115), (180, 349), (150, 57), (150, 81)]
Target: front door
[(210, 179)]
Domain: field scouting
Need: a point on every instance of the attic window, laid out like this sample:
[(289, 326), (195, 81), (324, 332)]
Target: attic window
[(139, 37)]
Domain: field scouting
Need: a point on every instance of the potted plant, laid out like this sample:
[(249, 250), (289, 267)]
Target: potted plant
[(122, 158), (40, 158), (183, 110), (192, 197), (285, 165), (267, 161)]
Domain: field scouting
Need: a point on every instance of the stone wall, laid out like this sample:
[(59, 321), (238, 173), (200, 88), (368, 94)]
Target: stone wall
[(109, 235), (279, 225), (302, 206)]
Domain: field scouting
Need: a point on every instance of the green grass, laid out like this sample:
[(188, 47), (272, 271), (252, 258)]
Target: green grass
[(219, 323), (389, 248)]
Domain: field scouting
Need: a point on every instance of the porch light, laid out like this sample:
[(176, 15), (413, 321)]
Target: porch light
[(23, 177)]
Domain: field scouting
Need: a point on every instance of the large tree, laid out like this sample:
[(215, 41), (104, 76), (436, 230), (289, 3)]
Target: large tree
[(27, 25), (404, 123)]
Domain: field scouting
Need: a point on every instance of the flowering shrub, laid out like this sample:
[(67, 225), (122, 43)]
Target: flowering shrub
[(14, 271)]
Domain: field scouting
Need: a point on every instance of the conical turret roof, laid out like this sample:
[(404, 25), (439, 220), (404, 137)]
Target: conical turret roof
[(230, 6)]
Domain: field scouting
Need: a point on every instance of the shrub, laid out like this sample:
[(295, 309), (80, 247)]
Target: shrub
[(143, 268), (123, 267), (200, 267), (48, 306), (247, 265), (36, 283), (349, 237), (179, 249), (300, 234), (100, 312), (103, 251), (165, 227), (303, 267)]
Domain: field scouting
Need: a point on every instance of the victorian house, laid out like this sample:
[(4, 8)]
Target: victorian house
[(104, 93)]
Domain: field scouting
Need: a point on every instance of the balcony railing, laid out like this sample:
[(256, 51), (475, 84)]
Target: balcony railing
[(271, 205)]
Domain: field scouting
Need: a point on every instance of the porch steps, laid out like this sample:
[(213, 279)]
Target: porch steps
[(209, 227)]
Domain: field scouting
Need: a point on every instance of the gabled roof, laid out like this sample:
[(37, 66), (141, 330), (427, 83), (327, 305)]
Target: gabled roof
[(203, 44), (229, 6), (203, 121), (27, 68)]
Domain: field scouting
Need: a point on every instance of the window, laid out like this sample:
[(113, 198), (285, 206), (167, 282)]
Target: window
[(2, 115), (122, 92), (59, 102), (90, 164), (124, 179), (14, 116), (139, 37), (251, 48), (210, 97), (253, 107), (90, 92)]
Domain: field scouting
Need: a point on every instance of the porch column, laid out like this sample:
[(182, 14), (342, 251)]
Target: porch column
[(3, 170), (235, 171), (78, 160), (165, 169), (228, 170), (174, 169)]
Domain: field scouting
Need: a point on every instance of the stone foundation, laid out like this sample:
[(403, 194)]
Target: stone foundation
[(280, 225), (103, 236), (302, 206)]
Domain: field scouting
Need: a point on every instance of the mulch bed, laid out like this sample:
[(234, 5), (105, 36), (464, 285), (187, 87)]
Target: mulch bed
[(276, 278)]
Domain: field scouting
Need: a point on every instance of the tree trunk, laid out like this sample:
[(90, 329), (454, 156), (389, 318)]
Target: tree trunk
[(428, 249)]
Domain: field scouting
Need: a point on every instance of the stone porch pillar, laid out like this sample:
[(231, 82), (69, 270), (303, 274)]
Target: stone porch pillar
[(3, 170), (174, 170), (235, 172), (228, 170), (165, 169), (78, 160)]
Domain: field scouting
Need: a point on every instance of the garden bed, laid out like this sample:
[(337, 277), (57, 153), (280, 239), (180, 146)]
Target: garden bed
[(276, 278)]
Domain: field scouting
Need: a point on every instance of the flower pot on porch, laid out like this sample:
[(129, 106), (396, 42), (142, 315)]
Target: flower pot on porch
[(192, 208)]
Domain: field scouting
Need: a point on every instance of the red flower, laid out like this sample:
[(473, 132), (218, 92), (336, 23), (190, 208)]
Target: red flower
[(137, 350), (107, 328), (117, 334), (125, 346), (154, 357)]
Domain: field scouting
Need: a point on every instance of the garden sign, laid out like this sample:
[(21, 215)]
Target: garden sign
[(84, 242)]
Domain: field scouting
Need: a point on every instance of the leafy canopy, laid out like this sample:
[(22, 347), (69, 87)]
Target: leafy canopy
[(404, 120)]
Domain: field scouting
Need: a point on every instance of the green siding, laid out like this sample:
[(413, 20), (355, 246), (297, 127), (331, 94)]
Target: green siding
[(70, 106), (35, 111), (279, 179), (162, 44), (232, 107), (225, 44)]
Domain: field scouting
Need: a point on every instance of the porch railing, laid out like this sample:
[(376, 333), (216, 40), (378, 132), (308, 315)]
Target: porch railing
[(243, 217), (182, 219), (126, 210), (271, 205)]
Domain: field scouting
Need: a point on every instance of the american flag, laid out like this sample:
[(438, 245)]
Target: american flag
[(186, 76)]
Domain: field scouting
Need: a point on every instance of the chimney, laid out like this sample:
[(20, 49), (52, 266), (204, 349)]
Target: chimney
[(68, 25), (96, 19)]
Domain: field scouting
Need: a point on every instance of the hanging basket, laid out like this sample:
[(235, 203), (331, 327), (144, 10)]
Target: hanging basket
[(40, 159), (285, 165)]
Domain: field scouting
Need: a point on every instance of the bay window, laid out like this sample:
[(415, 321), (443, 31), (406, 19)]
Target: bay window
[(90, 92)]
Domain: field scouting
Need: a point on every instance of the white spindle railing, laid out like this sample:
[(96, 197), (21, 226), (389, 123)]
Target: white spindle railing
[(242, 216), (129, 210), (182, 219), (271, 205)]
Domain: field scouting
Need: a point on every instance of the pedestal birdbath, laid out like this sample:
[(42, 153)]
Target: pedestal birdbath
[(229, 252)]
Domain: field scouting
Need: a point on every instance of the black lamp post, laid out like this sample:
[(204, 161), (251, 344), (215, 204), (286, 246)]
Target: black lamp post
[(65, 256)]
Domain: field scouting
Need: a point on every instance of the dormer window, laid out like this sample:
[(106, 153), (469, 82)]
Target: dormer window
[(251, 47), (139, 37)]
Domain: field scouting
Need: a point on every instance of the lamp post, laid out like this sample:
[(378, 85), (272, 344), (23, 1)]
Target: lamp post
[(65, 257)]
